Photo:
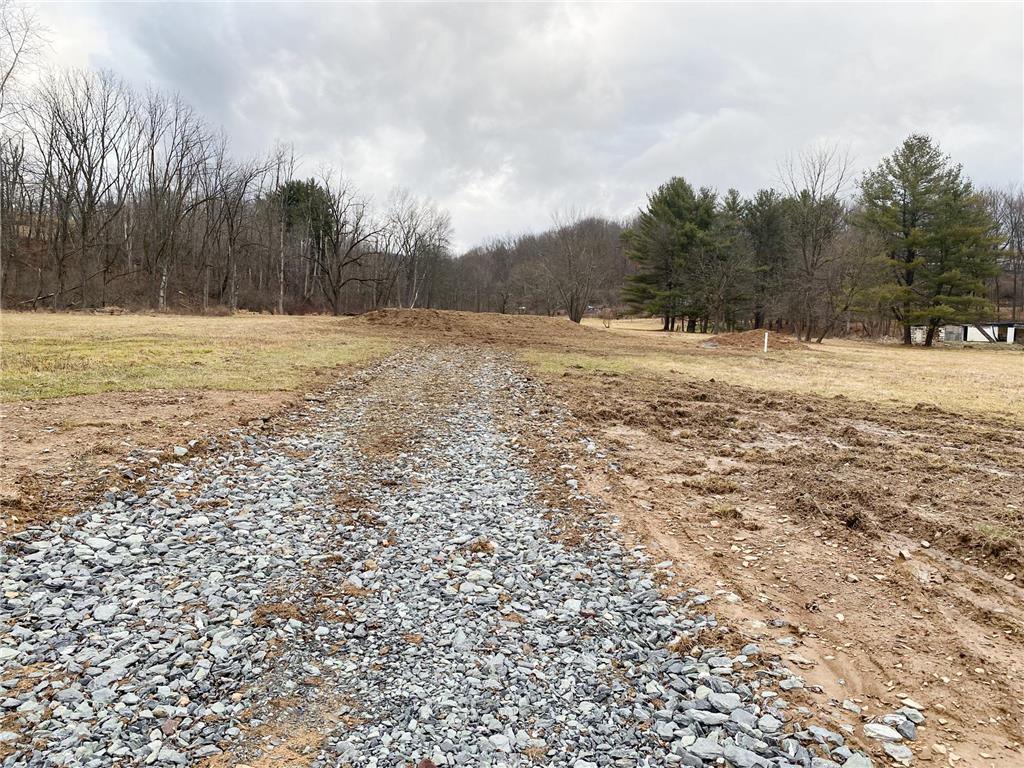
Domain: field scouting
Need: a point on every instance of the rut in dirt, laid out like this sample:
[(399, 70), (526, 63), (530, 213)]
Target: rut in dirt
[(384, 586)]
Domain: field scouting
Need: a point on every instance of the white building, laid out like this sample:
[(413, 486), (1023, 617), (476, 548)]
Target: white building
[(1008, 333)]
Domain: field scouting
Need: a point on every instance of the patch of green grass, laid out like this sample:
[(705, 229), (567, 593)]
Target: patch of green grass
[(60, 355)]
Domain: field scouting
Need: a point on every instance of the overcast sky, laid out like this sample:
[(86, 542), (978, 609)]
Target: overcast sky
[(505, 113)]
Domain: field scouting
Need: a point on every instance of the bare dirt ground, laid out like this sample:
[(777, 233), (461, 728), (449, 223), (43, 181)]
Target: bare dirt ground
[(874, 542), (60, 452), (473, 328), (842, 533)]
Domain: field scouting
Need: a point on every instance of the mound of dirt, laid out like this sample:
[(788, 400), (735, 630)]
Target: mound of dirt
[(477, 327), (753, 340)]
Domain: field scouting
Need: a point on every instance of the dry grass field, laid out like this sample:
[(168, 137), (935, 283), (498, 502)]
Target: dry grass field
[(55, 355), (81, 391), (978, 379), (864, 499), (47, 355)]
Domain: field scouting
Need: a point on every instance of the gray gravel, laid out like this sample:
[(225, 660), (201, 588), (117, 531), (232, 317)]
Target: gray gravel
[(431, 615)]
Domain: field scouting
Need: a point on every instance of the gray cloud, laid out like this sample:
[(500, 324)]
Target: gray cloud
[(504, 113)]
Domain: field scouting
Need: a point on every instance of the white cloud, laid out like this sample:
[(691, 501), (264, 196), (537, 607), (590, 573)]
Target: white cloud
[(504, 113)]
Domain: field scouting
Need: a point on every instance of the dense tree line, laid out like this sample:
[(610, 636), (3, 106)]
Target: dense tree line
[(909, 243), (574, 267), (111, 195), (916, 245), (108, 195)]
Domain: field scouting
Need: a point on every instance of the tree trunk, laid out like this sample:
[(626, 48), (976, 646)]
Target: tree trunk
[(1013, 311), (280, 275), (930, 335), (575, 312), (908, 337), (39, 286), (825, 331), (232, 280), (161, 297)]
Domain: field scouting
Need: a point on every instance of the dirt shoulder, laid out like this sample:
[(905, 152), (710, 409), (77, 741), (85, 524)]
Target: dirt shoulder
[(83, 393), (60, 453), (868, 546)]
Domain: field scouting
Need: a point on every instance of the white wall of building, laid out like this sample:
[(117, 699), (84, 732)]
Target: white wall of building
[(973, 334)]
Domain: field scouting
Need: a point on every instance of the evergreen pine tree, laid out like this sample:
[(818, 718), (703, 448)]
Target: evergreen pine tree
[(937, 233), (666, 234)]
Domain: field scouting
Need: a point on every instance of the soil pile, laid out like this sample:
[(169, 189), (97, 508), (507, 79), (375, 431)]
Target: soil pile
[(754, 340), (477, 327)]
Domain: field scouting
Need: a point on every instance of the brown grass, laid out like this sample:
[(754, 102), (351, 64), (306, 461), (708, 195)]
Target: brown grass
[(56, 355), (535, 754), (979, 379), (480, 546), (264, 615)]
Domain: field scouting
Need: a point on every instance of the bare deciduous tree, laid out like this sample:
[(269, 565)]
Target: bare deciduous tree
[(815, 180), (1007, 206), (421, 234), (22, 39), (351, 238), (573, 256)]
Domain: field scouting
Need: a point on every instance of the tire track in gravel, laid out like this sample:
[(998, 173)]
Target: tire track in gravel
[(383, 586)]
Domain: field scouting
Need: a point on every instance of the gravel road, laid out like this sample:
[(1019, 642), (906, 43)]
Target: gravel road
[(378, 583)]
